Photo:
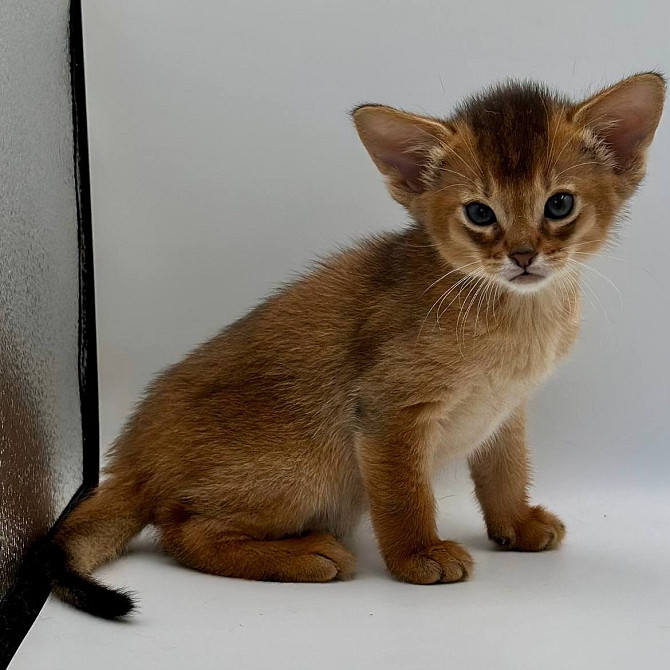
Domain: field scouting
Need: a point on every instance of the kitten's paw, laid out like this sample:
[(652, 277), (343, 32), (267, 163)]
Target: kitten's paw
[(328, 560), (539, 530), (444, 562)]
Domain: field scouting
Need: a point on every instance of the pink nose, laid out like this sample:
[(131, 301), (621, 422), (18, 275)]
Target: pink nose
[(523, 256)]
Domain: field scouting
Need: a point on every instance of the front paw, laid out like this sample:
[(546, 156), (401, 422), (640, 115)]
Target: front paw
[(538, 530), (444, 562)]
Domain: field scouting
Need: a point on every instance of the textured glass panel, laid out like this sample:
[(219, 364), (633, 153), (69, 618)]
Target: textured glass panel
[(40, 429)]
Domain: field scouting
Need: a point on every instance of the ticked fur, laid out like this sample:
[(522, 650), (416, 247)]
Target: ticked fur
[(347, 388)]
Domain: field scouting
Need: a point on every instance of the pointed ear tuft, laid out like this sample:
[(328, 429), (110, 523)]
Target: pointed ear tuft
[(625, 116), (403, 146)]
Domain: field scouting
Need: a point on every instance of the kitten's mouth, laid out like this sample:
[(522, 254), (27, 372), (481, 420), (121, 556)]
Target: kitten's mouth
[(526, 280), (526, 277)]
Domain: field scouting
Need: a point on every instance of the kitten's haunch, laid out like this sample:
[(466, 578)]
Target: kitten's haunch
[(346, 389)]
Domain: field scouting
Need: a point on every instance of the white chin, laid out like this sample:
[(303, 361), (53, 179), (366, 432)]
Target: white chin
[(526, 283)]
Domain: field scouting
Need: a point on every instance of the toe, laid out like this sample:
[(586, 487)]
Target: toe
[(539, 531), (340, 556)]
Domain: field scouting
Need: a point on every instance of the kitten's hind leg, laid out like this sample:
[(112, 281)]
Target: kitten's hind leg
[(209, 545)]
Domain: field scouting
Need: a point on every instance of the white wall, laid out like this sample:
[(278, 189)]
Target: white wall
[(223, 159)]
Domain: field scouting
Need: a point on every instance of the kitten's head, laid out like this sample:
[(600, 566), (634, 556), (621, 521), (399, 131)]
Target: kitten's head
[(519, 185)]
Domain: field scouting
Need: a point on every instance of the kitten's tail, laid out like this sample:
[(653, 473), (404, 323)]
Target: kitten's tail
[(94, 533)]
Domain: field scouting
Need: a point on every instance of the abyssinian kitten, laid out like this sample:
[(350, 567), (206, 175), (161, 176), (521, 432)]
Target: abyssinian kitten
[(346, 389)]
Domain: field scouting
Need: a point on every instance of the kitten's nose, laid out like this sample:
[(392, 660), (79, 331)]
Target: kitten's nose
[(523, 256)]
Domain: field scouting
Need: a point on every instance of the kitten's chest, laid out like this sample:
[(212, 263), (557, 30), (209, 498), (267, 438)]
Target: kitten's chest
[(475, 417), (497, 378), (525, 349)]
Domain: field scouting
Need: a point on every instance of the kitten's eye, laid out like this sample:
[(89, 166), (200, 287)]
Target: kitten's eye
[(480, 214), (559, 206)]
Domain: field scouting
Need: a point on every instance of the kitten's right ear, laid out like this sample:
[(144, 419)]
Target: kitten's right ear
[(625, 117), (405, 147)]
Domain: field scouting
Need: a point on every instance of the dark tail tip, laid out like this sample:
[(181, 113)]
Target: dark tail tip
[(86, 593), (90, 596)]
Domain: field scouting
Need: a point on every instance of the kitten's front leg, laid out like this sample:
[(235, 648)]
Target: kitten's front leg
[(500, 473), (395, 473)]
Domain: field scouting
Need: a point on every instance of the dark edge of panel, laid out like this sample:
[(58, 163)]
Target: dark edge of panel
[(88, 365), (21, 605)]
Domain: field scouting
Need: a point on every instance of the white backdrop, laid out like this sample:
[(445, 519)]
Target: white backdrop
[(223, 159)]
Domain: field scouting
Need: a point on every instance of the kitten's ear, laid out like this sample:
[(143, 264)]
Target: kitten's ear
[(625, 117), (406, 148)]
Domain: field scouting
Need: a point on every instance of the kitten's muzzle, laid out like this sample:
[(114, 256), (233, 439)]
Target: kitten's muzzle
[(525, 267), (523, 256)]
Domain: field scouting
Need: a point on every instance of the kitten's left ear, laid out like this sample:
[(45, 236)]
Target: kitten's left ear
[(625, 117), (405, 147)]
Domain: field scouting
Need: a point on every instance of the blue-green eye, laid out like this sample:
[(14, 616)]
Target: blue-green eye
[(559, 206), (480, 214)]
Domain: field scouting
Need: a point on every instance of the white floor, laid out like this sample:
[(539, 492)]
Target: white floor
[(602, 602)]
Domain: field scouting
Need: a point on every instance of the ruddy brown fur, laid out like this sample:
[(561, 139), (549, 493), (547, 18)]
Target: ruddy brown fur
[(346, 389)]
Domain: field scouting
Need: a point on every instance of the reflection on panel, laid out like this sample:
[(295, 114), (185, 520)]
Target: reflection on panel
[(40, 429)]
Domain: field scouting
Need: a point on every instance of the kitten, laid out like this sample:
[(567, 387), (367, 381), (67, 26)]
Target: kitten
[(346, 389)]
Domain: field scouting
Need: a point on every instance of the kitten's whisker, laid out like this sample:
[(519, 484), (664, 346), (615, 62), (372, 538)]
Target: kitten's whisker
[(562, 288), (579, 244), (614, 258), (564, 296), (482, 295), (446, 146), (489, 291), (572, 167), (500, 292), (546, 114), (546, 111), (471, 277), (441, 311), (426, 317), (465, 300), (472, 282), (553, 139), (460, 174), (439, 300), (465, 303), (597, 118), (602, 276), (419, 246), (565, 146), (437, 281), (469, 308), (573, 292), (468, 144), (467, 165), (478, 293), (590, 290), (573, 280), (444, 188), (591, 295), (570, 140)]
